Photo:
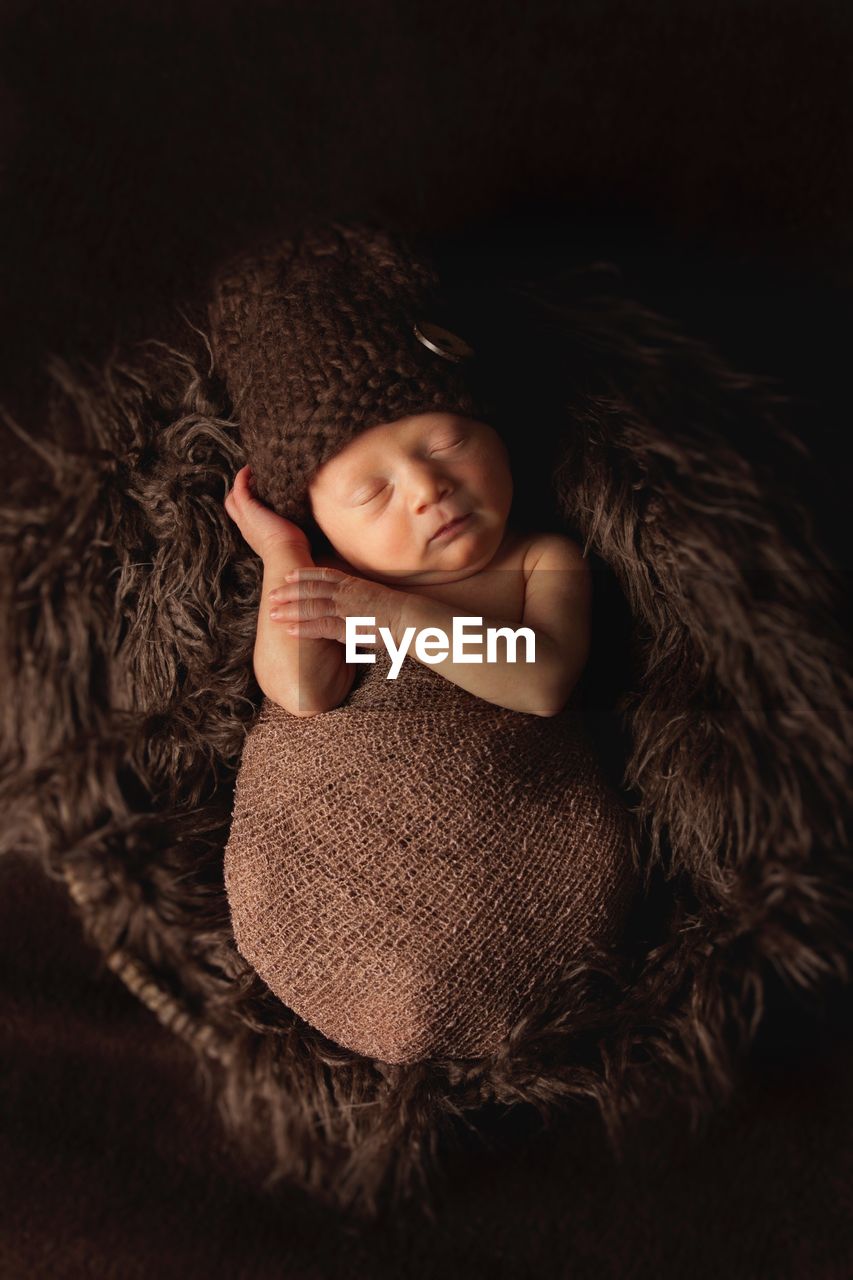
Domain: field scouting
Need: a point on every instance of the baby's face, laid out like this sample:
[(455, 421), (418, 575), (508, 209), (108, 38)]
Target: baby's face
[(383, 498)]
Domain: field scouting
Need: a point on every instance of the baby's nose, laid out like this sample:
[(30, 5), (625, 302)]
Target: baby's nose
[(431, 486)]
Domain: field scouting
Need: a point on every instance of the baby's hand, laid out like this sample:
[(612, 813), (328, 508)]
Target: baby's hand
[(316, 602), (264, 531)]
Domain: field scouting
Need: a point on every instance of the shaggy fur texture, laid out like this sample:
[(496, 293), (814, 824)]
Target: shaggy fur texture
[(131, 604)]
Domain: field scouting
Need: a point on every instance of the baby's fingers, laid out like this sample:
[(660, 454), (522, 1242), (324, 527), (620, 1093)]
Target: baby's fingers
[(244, 486), (328, 628), (302, 610), (305, 589), (232, 507)]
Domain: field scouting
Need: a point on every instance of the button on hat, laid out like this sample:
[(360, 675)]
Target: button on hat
[(442, 341)]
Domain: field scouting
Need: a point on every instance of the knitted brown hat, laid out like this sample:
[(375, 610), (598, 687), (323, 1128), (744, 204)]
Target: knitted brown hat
[(322, 334)]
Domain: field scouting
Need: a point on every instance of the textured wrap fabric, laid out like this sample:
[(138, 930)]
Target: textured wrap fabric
[(406, 870), (314, 335)]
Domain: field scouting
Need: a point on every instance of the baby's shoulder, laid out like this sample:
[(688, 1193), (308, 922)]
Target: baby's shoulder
[(553, 551)]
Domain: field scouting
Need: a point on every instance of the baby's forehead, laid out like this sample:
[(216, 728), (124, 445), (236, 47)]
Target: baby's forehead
[(366, 448), (411, 427)]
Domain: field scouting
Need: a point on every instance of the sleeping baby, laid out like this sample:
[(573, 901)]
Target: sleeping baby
[(416, 513), (467, 782), (423, 844)]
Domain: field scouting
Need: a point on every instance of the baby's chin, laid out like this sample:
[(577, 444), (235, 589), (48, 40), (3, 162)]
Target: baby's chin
[(436, 572)]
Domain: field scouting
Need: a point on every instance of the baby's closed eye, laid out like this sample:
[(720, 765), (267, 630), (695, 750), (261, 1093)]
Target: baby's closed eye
[(370, 497)]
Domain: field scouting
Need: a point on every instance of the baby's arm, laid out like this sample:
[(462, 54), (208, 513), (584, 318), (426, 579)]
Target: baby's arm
[(557, 603), (557, 608), (301, 678)]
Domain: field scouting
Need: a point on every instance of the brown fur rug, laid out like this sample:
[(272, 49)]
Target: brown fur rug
[(131, 603)]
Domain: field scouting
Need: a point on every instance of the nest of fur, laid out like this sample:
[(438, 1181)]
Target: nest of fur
[(131, 601)]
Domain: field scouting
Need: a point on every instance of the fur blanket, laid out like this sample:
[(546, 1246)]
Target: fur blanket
[(131, 606)]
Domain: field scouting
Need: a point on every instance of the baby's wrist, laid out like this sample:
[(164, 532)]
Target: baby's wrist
[(399, 613), (279, 559)]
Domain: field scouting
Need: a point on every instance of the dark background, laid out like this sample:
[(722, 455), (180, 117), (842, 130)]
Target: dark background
[(703, 148)]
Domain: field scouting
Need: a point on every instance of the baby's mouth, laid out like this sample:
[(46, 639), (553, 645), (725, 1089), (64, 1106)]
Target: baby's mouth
[(451, 527)]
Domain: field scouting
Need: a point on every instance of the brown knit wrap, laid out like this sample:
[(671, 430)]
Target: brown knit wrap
[(407, 870), (314, 337)]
